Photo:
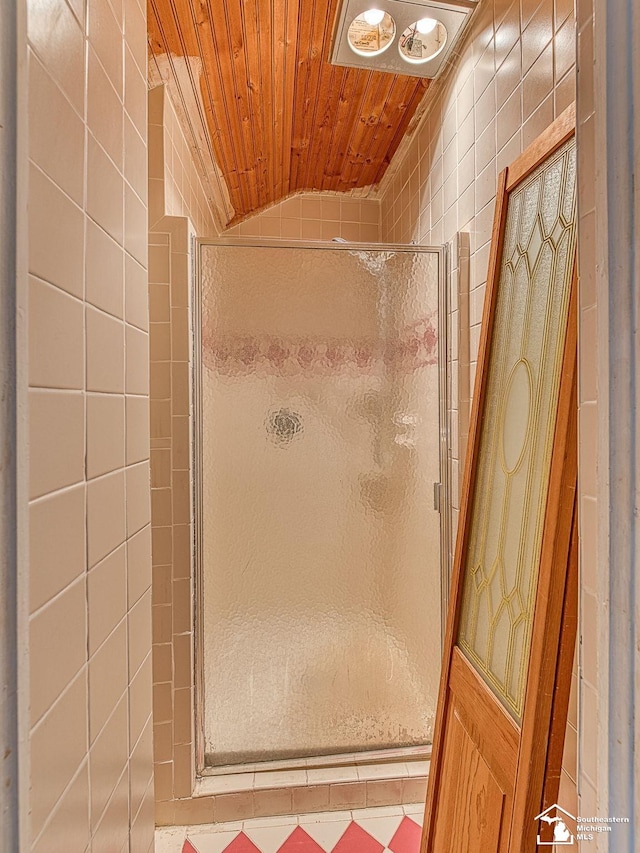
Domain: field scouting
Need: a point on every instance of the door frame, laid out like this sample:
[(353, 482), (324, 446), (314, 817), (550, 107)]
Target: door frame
[(202, 770)]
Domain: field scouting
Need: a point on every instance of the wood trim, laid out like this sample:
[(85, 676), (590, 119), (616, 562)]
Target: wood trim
[(542, 147), (466, 681), (552, 579), (455, 602), (562, 687)]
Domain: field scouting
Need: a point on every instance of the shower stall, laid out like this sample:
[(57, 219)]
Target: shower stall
[(320, 459)]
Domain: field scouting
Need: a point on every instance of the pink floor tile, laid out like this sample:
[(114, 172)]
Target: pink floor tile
[(406, 838), (357, 840), (241, 844), (300, 842), (382, 832)]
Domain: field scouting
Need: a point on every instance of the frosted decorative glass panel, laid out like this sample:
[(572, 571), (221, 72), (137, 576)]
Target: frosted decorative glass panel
[(518, 425), (320, 545)]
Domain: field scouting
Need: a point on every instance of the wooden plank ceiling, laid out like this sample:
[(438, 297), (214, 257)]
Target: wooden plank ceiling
[(280, 116)]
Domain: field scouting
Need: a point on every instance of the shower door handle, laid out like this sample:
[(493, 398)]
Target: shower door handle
[(437, 497)]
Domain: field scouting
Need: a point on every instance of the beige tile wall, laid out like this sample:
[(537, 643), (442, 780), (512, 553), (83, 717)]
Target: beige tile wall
[(514, 74), (175, 185), (172, 536), (170, 389), (90, 568), (315, 216)]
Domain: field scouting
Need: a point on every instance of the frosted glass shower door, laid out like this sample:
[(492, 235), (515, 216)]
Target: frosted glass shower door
[(319, 444)]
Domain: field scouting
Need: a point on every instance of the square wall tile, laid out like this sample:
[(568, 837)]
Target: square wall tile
[(138, 564), (105, 36), (104, 109), (57, 552), (105, 515), (50, 25), (136, 233), (140, 699), (105, 189), (57, 646), (107, 596), (54, 221), (136, 294), (141, 766), (135, 91), (56, 337), (70, 819), (139, 631), (137, 413), (56, 132), (105, 352), (113, 830), (104, 271), (105, 433), (137, 361), (108, 676), (138, 497), (59, 741), (56, 440), (107, 761)]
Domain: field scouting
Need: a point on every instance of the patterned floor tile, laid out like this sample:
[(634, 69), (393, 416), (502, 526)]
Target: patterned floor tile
[(169, 839), (206, 841), (300, 842), (269, 839), (241, 844), (414, 809), (381, 828), (406, 838), (326, 833), (389, 829), (357, 840)]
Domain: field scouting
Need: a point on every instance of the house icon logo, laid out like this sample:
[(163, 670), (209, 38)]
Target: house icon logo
[(555, 827)]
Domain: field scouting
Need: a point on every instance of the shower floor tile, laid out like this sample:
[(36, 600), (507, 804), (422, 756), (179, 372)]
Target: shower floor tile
[(395, 829)]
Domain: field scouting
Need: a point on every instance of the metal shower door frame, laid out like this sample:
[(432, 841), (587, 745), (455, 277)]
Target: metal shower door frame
[(442, 491)]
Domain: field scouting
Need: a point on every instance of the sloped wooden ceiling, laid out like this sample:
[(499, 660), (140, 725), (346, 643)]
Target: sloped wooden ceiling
[(281, 117)]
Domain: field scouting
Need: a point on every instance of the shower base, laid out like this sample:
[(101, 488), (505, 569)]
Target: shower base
[(329, 783)]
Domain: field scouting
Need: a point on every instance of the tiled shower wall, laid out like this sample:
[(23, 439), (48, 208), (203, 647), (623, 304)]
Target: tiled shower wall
[(175, 186), (515, 73), (170, 353), (315, 216), (90, 569)]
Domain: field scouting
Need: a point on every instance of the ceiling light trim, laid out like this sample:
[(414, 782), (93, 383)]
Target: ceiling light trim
[(453, 15)]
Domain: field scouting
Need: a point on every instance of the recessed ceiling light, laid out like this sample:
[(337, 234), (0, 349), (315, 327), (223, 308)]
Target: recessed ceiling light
[(373, 16), (368, 39), (425, 25), (418, 46)]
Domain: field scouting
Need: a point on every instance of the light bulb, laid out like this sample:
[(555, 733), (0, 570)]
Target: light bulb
[(426, 25), (373, 16)]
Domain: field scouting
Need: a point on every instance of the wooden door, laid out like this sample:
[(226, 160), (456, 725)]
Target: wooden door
[(491, 750)]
